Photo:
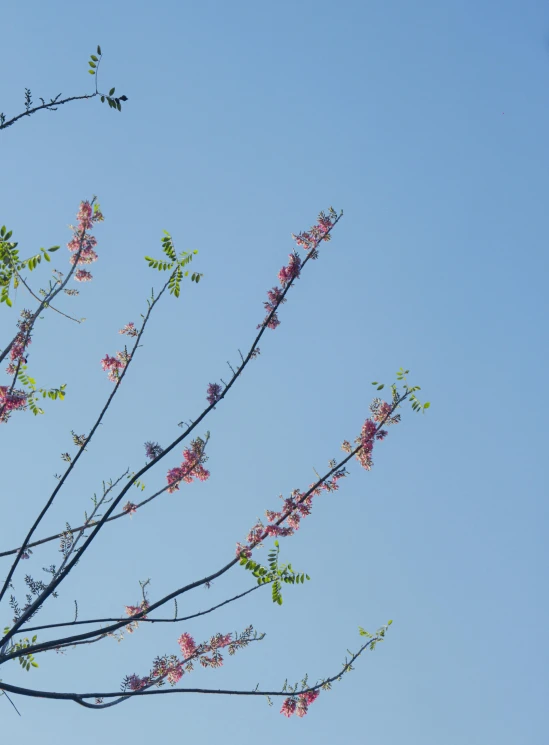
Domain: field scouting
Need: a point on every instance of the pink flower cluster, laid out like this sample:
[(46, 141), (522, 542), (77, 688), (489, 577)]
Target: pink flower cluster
[(129, 329), (173, 667), (10, 401), (189, 649), (299, 705), (82, 244), (295, 507), (292, 271), (213, 393), (129, 508), (382, 413), (21, 341), (191, 468), (309, 241), (187, 645), (114, 365), (319, 232), (133, 610), (274, 300), (366, 440)]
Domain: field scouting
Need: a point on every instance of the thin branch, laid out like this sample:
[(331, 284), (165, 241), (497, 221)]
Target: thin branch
[(54, 584), (79, 697), (176, 593), (90, 524), (11, 702), (149, 620), (50, 105), (56, 581)]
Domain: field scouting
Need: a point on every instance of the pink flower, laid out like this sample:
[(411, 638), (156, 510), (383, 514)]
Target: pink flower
[(292, 271), (310, 696), (130, 508), (83, 276), (10, 401), (187, 645), (288, 707), (220, 640), (214, 393), (175, 674), (135, 683), (129, 329), (191, 467), (84, 216), (275, 299), (133, 610), (115, 364), (243, 550)]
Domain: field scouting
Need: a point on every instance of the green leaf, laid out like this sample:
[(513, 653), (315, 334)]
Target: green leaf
[(111, 92), (426, 405), (46, 256), (380, 387), (92, 64), (94, 58), (54, 248), (99, 50), (92, 72)]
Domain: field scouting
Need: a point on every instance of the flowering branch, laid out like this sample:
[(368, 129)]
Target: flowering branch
[(363, 448), (310, 240), (80, 698)]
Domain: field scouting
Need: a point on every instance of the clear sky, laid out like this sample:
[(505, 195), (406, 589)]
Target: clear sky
[(427, 123)]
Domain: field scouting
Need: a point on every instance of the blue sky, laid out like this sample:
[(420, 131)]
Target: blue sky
[(427, 124)]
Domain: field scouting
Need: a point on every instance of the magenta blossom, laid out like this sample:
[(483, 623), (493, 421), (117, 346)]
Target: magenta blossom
[(129, 329), (187, 645), (83, 276), (114, 365), (214, 393), (191, 468), (292, 271), (10, 401)]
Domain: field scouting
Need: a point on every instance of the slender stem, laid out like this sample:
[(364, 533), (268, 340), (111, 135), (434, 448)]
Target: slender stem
[(149, 620), (176, 593), (89, 523), (79, 697), (50, 105), (55, 582)]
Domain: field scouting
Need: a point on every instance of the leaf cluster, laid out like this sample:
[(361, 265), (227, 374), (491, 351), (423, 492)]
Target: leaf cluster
[(26, 661), (175, 264), (410, 391), (275, 573), (11, 264)]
